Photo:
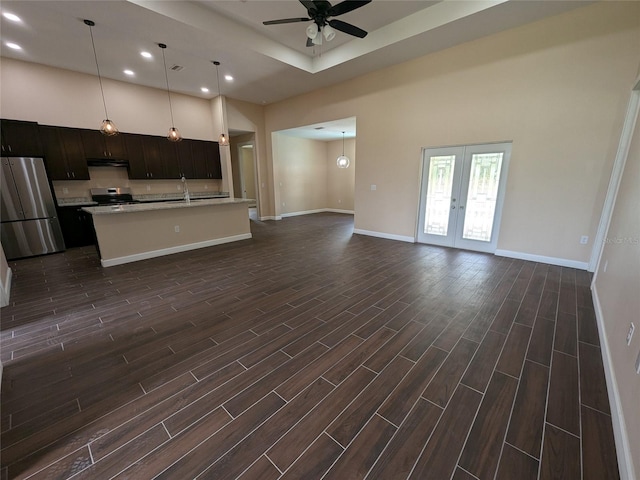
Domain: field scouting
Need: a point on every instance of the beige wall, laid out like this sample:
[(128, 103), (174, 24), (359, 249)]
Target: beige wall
[(308, 177), (302, 172), (248, 117), (53, 96), (341, 181), (617, 291), (557, 88)]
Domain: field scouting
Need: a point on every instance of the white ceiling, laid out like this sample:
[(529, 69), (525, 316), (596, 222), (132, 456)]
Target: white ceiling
[(268, 63)]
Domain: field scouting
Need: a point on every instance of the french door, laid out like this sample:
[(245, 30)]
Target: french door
[(462, 194)]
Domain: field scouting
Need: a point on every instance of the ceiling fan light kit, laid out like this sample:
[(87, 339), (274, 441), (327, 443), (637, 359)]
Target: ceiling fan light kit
[(318, 12)]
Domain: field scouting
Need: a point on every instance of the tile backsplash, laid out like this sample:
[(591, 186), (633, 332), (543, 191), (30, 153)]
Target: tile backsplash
[(102, 177)]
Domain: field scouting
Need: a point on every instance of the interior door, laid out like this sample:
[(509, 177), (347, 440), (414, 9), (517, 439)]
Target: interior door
[(461, 196)]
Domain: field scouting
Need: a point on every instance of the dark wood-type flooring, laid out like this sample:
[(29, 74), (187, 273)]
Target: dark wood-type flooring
[(306, 352)]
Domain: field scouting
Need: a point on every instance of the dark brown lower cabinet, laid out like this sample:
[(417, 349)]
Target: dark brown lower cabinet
[(77, 227)]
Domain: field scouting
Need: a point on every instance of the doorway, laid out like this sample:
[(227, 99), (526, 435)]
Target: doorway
[(243, 165), (461, 195)]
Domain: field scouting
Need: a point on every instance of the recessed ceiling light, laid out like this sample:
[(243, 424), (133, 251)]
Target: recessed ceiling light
[(146, 54), (13, 46), (204, 90), (128, 72), (228, 78), (11, 16)]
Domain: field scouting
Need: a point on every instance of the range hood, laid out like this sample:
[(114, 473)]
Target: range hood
[(107, 162)]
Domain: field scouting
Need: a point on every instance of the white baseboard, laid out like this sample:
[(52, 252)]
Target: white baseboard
[(623, 449), (270, 217), (561, 262), (388, 236), (168, 251), (318, 210), (5, 289), (337, 210)]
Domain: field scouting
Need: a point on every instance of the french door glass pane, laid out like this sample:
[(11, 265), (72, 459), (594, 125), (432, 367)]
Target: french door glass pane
[(437, 210), (482, 196)]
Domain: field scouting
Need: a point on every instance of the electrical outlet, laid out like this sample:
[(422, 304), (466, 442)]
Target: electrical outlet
[(206, 187), (638, 364), (65, 190), (179, 188), (584, 239), (606, 264), (632, 328), (177, 228), (148, 188), (374, 187), (339, 201)]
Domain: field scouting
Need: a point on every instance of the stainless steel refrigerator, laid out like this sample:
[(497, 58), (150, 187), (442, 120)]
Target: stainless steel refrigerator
[(28, 221)]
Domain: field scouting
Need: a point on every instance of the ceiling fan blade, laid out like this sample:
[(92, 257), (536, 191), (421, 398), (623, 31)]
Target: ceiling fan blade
[(286, 20), (346, 6), (308, 4), (348, 28)]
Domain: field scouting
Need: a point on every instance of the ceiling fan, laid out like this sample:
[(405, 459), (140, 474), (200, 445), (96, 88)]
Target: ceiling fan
[(319, 12)]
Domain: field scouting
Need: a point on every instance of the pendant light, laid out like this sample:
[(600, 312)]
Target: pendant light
[(174, 134), (223, 141), (343, 160), (108, 127)]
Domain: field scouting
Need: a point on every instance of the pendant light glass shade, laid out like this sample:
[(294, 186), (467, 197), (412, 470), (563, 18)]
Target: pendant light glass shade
[(223, 141), (174, 133), (108, 127), (343, 160)]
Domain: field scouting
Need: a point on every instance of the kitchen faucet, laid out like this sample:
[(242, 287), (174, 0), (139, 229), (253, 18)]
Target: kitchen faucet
[(185, 190)]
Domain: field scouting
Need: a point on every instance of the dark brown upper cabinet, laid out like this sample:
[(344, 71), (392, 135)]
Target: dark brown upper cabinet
[(63, 153), (206, 159), (20, 139), (97, 145)]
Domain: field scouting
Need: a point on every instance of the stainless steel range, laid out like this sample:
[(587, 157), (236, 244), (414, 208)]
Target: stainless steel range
[(112, 196)]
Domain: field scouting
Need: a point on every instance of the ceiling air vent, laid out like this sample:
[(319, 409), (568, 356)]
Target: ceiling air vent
[(176, 68), (319, 128)]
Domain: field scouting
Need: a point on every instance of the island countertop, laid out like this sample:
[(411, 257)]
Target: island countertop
[(149, 206)]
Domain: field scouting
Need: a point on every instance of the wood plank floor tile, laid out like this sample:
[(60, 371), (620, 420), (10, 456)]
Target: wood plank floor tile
[(515, 348), (516, 464), (598, 446), (304, 330), (314, 463), (439, 458), (566, 340), (593, 386), (482, 449), (563, 409), (446, 380), (481, 367), (362, 453), (527, 419), (541, 343), (235, 461), (560, 455), (286, 450), (397, 461), (399, 403), (347, 425), (262, 469)]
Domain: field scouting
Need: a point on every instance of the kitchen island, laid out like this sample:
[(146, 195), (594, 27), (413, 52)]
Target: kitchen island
[(128, 233)]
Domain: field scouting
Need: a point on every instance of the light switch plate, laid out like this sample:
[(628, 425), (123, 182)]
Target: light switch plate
[(638, 364), (632, 329)]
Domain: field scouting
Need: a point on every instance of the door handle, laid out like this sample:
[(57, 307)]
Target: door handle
[(453, 207)]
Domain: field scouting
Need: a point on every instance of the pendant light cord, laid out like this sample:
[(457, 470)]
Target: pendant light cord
[(95, 56), (166, 77), (220, 94), (343, 144)]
